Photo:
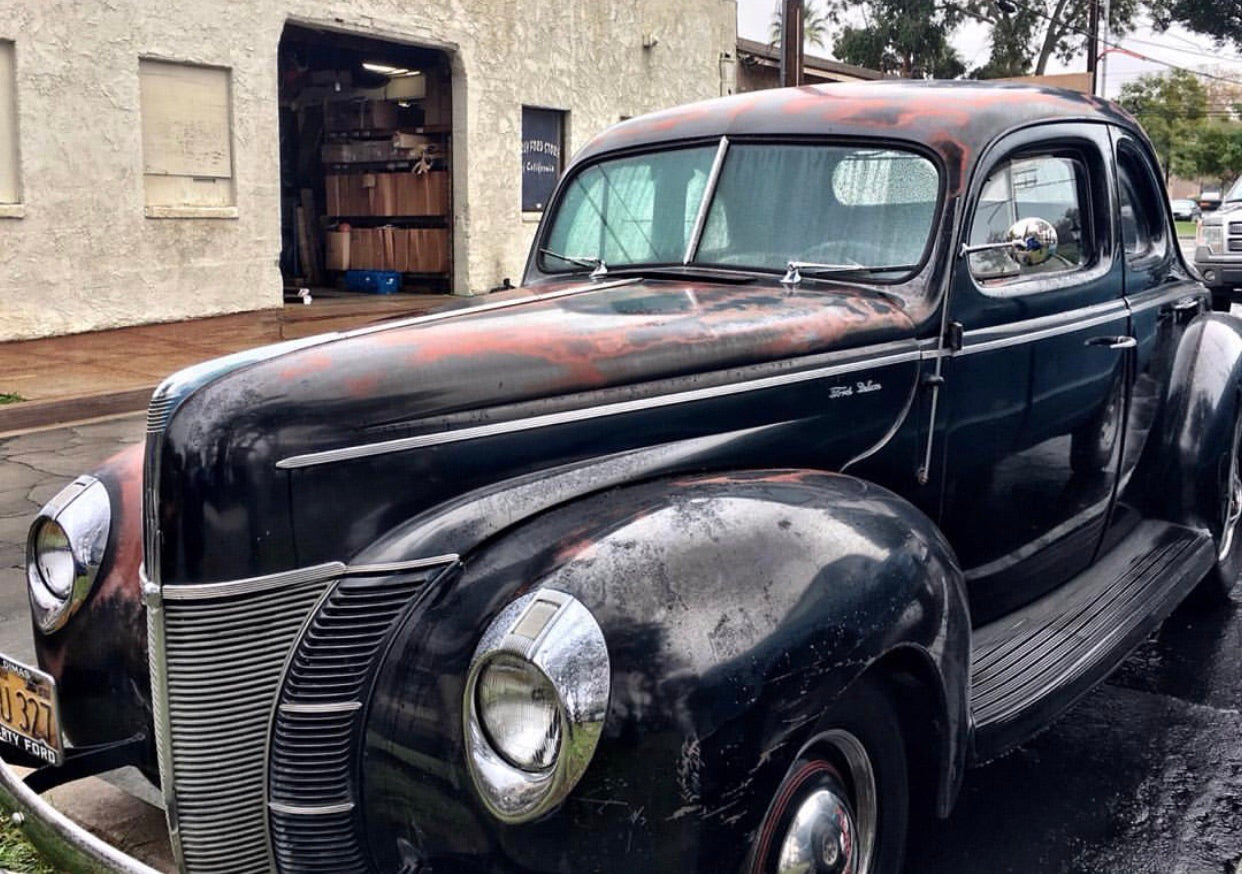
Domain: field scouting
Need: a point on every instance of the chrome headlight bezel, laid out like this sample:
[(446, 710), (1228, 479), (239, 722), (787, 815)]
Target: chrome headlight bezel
[(83, 511), (560, 638)]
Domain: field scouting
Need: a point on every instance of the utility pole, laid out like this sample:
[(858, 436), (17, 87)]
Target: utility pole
[(1093, 41), (1103, 74), (791, 42)]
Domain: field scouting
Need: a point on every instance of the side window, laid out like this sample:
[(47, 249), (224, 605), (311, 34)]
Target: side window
[(1141, 207), (1051, 187)]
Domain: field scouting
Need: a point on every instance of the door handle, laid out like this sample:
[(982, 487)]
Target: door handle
[(1122, 342)]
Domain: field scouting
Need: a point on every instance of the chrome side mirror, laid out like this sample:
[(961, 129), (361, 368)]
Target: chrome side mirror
[(1028, 241)]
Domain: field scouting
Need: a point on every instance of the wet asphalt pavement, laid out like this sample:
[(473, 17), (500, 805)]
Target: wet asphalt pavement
[(1143, 776)]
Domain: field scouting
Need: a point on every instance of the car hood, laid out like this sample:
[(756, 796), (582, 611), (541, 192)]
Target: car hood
[(558, 349)]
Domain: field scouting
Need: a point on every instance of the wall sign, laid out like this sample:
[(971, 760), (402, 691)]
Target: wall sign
[(542, 139)]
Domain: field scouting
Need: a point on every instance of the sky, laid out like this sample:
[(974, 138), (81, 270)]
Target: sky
[(1178, 46)]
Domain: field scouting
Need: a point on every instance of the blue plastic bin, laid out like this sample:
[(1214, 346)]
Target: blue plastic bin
[(373, 281)]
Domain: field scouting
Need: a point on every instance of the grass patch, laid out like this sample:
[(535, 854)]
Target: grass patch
[(10, 397), (1185, 229), (16, 853)]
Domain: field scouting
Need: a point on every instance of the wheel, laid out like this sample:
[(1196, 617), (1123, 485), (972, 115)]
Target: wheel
[(844, 804), (1220, 581)]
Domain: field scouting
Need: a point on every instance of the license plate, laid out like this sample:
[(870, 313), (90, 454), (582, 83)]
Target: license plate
[(28, 715)]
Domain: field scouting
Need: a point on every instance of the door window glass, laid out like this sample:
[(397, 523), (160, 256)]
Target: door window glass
[(1046, 186)]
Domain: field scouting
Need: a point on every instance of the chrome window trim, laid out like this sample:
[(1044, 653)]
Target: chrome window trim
[(850, 361), (709, 191)]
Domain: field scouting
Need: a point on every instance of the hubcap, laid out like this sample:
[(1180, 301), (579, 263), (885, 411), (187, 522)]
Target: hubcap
[(821, 838), (833, 830)]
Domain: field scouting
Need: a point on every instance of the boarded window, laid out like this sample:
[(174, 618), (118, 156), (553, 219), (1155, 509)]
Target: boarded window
[(10, 185), (543, 133), (187, 149)]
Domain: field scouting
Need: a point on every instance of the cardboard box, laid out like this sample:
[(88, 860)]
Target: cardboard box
[(422, 193), (426, 250), (336, 250)]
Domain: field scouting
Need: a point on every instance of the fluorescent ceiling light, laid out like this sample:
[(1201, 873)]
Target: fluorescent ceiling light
[(389, 70)]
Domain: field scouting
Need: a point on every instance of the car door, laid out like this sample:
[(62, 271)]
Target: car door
[(1033, 398), (1161, 300)]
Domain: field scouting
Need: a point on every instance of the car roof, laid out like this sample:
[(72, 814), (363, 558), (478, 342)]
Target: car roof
[(956, 119)]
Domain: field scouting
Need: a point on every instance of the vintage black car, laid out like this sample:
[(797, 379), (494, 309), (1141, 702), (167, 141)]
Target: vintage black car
[(840, 437)]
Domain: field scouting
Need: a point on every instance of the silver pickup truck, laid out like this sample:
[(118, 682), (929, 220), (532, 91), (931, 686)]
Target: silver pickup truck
[(1218, 250)]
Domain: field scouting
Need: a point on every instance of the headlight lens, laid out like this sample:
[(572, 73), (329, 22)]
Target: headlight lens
[(518, 710), (54, 557)]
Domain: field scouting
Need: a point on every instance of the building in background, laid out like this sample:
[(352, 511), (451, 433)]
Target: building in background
[(759, 67), (168, 161)]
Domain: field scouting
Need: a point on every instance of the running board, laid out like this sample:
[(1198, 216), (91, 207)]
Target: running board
[(1030, 665)]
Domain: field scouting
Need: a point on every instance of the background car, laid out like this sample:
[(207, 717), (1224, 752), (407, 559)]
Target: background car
[(1185, 209)]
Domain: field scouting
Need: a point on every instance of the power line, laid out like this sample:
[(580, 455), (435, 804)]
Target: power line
[(1114, 45)]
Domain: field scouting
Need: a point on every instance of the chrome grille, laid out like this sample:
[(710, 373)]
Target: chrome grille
[(225, 648), (317, 728)]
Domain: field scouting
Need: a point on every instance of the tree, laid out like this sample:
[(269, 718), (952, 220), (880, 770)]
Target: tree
[(814, 24), (1222, 21), (909, 38), (1214, 153), (1030, 33), (1171, 107)]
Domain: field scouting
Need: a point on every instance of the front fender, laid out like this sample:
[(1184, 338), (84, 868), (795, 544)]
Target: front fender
[(736, 607)]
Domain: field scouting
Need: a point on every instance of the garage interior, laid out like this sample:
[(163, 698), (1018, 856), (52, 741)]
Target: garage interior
[(365, 146)]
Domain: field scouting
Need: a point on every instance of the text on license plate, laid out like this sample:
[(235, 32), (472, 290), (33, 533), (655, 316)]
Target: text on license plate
[(28, 717)]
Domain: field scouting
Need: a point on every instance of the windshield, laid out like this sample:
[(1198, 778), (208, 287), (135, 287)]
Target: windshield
[(772, 204), (1235, 193)]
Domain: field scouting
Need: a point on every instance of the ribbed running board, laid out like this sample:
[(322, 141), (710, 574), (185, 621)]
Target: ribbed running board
[(1030, 665)]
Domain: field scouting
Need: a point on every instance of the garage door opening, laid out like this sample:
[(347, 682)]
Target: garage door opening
[(365, 146)]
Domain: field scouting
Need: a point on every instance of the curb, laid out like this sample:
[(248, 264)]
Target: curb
[(33, 415)]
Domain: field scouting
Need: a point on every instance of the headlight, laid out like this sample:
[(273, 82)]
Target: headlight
[(64, 550), (1212, 236), (534, 705), (517, 707)]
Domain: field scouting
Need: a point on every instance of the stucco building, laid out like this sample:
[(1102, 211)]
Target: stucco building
[(162, 161)]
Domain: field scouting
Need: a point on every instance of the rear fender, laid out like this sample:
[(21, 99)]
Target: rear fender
[(1196, 424)]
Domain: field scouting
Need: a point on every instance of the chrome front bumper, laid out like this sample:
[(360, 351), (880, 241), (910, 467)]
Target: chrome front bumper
[(67, 845)]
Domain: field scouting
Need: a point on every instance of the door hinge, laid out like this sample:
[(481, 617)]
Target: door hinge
[(953, 336)]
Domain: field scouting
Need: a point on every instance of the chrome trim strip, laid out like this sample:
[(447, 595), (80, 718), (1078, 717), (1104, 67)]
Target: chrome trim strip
[(1018, 333), (1152, 298), (326, 810), (157, 663), (325, 707), (862, 361), (709, 191), (392, 567), (250, 585), (486, 307)]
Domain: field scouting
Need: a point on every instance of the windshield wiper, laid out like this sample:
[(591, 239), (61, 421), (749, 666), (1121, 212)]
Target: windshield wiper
[(684, 270), (600, 268), (793, 274)]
